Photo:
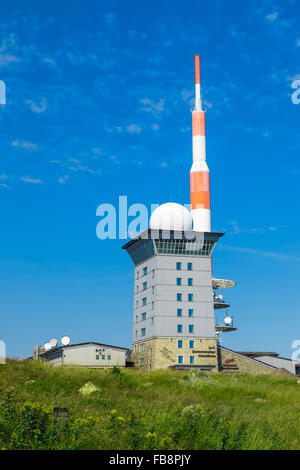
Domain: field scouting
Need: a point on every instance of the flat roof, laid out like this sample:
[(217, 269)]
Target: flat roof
[(258, 353), (60, 348), (150, 234)]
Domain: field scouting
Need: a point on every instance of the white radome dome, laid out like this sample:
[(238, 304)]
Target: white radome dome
[(171, 216)]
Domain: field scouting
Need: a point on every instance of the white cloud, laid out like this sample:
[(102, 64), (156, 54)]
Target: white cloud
[(155, 126), (28, 179), (272, 16), (134, 129), (63, 179), (150, 106), (24, 144), (6, 59), (253, 251), (4, 185), (3, 177), (236, 229), (39, 107)]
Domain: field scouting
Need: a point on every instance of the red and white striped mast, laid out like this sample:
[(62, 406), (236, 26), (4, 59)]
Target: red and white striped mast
[(199, 174)]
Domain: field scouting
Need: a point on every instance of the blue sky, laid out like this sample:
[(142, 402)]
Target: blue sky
[(99, 98)]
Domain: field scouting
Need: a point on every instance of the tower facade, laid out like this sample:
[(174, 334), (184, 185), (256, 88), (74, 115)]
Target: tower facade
[(173, 315)]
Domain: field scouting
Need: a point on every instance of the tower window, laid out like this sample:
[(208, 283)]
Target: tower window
[(192, 360), (144, 285), (190, 297), (144, 300), (179, 312), (191, 344), (180, 359), (191, 312), (178, 266), (179, 297), (190, 281), (179, 328), (143, 332), (179, 343), (191, 328), (178, 281), (145, 270), (144, 316), (190, 266)]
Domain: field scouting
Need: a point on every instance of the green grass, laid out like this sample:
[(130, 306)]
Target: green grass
[(140, 410)]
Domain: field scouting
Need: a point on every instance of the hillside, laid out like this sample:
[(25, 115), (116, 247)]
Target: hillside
[(135, 410)]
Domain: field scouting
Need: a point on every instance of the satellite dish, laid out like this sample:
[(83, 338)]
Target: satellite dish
[(47, 346), (53, 342), (227, 320), (65, 340), (220, 297)]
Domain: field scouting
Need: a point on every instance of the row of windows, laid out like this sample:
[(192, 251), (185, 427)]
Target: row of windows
[(143, 332), (184, 247), (180, 359), (191, 329), (145, 287), (190, 312), (179, 266), (190, 297), (143, 318), (180, 343), (145, 271), (180, 328), (103, 357), (179, 281), (144, 302)]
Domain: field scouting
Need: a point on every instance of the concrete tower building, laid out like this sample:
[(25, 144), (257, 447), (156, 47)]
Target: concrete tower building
[(173, 318)]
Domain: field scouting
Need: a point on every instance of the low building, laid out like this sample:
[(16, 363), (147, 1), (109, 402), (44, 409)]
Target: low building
[(90, 354)]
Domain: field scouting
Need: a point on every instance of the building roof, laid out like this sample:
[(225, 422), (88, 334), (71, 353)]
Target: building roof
[(173, 234), (253, 359), (61, 348), (257, 353)]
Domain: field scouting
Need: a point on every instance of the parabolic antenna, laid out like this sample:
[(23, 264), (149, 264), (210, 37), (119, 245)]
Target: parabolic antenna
[(65, 340), (53, 342), (227, 320), (47, 346)]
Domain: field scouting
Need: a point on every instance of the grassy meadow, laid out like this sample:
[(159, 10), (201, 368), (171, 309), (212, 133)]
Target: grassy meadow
[(161, 410)]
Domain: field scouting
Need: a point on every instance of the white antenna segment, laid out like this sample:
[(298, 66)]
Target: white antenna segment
[(65, 340)]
